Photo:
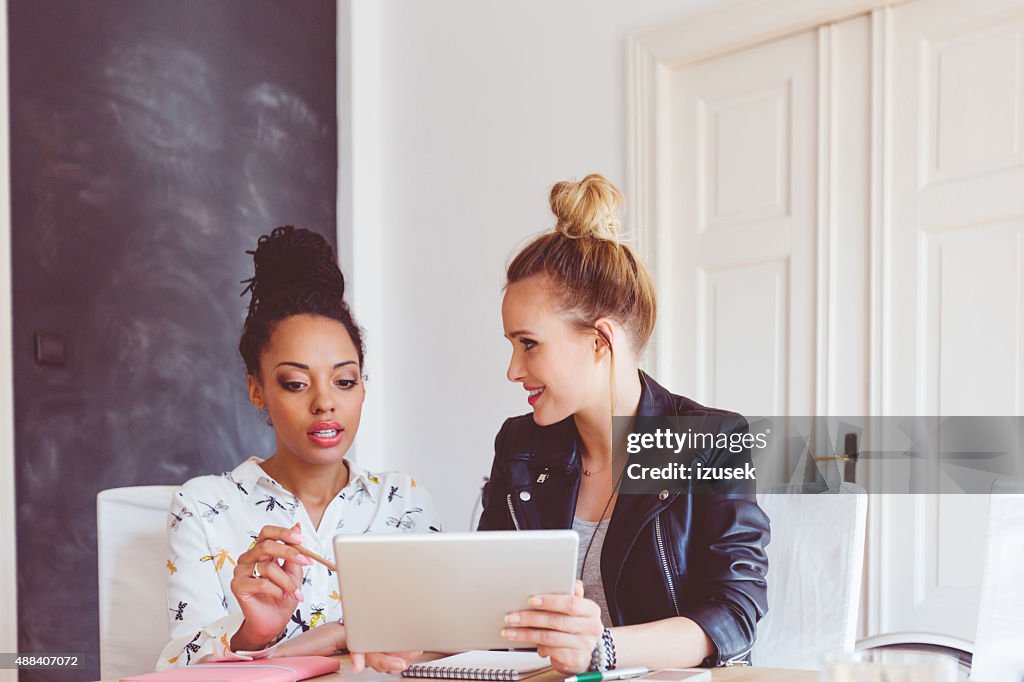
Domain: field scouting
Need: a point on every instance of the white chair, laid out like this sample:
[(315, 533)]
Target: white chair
[(999, 639), (815, 563), (960, 650), (996, 653), (131, 538)]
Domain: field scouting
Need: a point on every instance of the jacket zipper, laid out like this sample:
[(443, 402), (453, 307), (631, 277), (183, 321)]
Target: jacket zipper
[(734, 659), (512, 511), (664, 559)]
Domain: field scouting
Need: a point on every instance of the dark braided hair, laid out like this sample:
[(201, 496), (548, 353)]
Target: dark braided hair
[(296, 274)]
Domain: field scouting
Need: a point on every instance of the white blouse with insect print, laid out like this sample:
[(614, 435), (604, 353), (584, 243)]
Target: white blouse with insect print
[(214, 519)]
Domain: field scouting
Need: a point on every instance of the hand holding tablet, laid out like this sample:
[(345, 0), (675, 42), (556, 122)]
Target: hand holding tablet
[(563, 627)]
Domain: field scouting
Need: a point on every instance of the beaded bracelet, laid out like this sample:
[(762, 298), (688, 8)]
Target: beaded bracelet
[(602, 658), (609, 649), (595, 658)]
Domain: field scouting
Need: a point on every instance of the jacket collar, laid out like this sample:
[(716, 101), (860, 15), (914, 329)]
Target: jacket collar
[(559, 448), (655, 399)]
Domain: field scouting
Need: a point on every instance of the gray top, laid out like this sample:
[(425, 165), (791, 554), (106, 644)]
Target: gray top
[(593, 588)]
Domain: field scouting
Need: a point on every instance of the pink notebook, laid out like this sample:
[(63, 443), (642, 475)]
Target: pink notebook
[(285, 669)]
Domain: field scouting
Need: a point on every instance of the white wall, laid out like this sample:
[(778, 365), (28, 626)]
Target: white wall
[(483, 104)]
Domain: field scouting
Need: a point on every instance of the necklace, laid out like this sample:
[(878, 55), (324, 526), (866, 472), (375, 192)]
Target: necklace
[(591, 472), (597, 528)]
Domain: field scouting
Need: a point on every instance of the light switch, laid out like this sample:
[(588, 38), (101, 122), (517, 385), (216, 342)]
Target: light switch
[(49, 349)]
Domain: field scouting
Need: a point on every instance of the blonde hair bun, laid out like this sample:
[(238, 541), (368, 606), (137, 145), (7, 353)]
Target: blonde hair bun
[(587, 208)]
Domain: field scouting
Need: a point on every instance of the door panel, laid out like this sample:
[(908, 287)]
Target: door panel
[(742, 308), (954, 304)]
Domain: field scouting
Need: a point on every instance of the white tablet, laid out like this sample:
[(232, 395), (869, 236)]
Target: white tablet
[(446, 591)]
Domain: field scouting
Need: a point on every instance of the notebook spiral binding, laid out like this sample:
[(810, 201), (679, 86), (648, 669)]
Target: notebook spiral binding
[(457, 673)]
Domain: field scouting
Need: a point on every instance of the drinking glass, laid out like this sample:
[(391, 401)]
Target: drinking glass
[(889, 665)]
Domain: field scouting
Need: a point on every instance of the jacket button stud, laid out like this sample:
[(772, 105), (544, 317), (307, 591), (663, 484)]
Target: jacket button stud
[(524, 496), (663, 495)]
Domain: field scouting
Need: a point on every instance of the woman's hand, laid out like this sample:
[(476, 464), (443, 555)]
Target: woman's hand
[(269, 601), (384, 663), (565, 628), (324, 640), (331, 638)]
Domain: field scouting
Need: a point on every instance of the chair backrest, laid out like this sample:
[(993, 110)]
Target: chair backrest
[(999, 638), (815, 565), (131, 540)]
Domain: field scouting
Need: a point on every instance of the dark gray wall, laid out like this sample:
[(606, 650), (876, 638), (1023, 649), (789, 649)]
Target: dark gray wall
[(151, 143)]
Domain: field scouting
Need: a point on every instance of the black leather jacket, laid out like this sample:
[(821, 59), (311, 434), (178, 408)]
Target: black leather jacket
[(699, 555)]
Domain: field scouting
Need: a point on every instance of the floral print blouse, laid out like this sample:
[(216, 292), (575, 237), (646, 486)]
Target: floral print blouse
[(214, 519)]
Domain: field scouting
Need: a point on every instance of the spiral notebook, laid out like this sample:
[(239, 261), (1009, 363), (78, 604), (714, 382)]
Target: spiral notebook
[(482, 665)]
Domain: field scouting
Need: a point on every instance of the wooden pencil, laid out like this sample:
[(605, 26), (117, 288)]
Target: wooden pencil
[(316, 557)]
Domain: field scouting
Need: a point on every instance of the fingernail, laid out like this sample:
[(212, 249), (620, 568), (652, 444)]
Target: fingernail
[(535, 601), (305, 560), (512, 618), (298, 537), (508, 634), (298, 595)]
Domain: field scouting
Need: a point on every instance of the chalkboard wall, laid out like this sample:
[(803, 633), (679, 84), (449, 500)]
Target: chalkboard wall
[(152, 142)]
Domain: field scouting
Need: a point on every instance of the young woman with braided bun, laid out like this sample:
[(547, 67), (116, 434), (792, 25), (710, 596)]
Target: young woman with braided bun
[(666, 580), (237, 587)]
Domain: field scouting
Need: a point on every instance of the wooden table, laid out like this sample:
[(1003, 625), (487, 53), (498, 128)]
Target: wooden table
[(739, 673), (733, 674)]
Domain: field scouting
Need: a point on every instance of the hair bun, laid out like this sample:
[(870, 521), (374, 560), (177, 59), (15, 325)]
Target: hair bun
[(587, 208), (290, 259)]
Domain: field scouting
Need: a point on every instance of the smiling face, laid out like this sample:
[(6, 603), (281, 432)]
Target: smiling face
[(311, 385), (556, 362)]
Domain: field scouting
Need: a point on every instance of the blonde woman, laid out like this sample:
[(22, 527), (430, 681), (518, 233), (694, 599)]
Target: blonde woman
[(670, 580)]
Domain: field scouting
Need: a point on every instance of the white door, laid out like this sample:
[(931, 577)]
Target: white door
[(741, 313), (840, 231), (953, 299), (766, 213)]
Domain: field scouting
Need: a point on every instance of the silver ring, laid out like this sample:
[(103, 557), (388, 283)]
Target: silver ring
[(256, 571)]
